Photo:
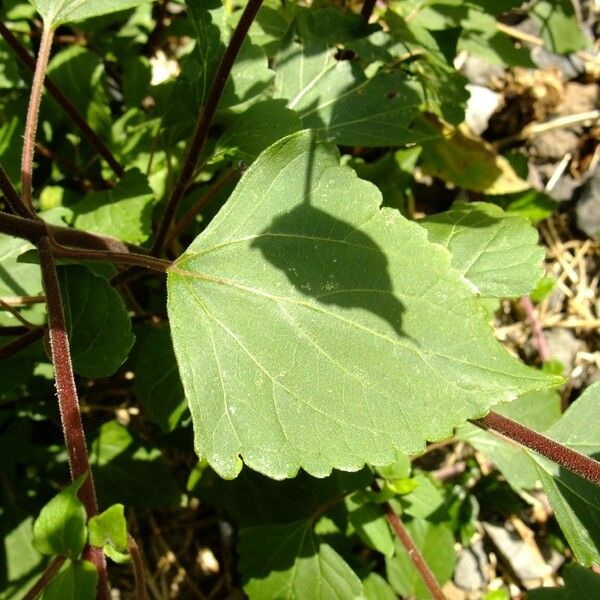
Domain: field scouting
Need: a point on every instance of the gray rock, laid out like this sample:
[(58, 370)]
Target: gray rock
[(554, 144), (471, 568), (564, 346), (587, 210), (482, 104), (481, 72)]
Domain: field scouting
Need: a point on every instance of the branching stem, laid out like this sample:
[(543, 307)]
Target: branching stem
[(203, 123), (45, 578), (566, 457)]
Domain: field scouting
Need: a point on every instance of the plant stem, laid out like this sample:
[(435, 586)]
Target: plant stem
[(68, 401), (574, 461), (33, 111), (367, 9), (63, 101), (21, 342), (51, 570), (413, 552), (138, 568), (12, 196), (32, 230), (203, 123), (536, 328)]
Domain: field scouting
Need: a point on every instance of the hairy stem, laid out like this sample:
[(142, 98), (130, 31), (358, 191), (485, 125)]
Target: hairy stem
[(566, 457), (33, 111), (32, 230), (51, 570), (413, 552), (68, 401), (69, 108), (203, 123), (138, 568)]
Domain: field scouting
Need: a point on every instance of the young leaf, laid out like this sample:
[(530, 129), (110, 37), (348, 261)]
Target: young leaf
[(289, 557), (580, 584), (125, 212), (371, 525), (576, 501), (57, 12), (309, 334), (60, 527), (498, 253), (436, 543), (77, 581), (109, 528), (376, 587), (98, 324)]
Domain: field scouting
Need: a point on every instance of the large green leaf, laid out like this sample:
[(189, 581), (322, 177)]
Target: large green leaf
[(436, 543), (98, 324), (56, 12), (580, 584), (576, 501), (309, 333), (287, 561), (538, 410), (337, 97), (124, 212), (498, 253)]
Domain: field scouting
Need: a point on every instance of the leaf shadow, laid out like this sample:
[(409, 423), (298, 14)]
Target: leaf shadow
[(328, 259)]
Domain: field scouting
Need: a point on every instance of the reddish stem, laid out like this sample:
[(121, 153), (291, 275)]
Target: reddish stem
[(12, 196), (536, 327), (33, 111), (138, 568), (51, 570), (21, 342), (203, 123), (68, 402), (69, 108), (413, 552), (574, 461)]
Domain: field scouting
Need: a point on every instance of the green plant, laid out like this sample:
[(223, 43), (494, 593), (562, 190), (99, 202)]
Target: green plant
[(311, 328)]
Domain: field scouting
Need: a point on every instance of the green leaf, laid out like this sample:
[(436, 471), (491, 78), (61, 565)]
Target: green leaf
[(157, 383), (75, 582), (580, 584), (56, 12), (288, 561), (124, 212), (538, 410), (576, 501), (257, 128), (559, 27), (337, 98), (308, 334), (436, 543), (60, 527), (424, 500), (109, 528), (370, 524), (498, 253), (127, 472), (376, 587), (98, 324), (19, 279)]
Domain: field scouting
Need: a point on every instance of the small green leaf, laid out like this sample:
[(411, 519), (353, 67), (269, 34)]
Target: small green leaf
[(60, 527), (109, 528), (580, 584), (77, 581), (57, 12), (308, 334), (496, 252), (436, 543), (370, 524), (98, 324), (424, 500), (376, 587), (560, 29), (288, 561), (125, 212), (576, 501)]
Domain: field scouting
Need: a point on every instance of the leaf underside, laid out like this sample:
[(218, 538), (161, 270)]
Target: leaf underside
[(313, 329)]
